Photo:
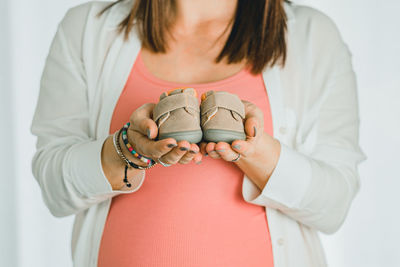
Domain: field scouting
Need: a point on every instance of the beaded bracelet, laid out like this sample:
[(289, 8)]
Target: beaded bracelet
[(128, 163), (130, 148)]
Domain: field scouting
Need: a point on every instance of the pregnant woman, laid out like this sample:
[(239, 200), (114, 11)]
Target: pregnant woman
[(258, 202)]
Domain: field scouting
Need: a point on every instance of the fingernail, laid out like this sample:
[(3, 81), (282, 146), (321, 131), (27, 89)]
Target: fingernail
[(184, 148), (171, 145), (205, 155), (236, 146), (199, 162), (255, 131), (148, 133), (193, 152), (220, 150)]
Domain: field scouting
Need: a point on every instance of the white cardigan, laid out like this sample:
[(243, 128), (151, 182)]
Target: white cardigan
[(314, 106)]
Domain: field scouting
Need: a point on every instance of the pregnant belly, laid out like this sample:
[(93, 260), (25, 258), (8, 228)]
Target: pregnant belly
[(187, 215)]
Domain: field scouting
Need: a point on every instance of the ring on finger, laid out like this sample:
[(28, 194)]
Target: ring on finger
[(237, 158), (162, 163)]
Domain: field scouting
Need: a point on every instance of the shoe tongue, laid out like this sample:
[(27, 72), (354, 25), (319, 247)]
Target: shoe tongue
[(211, 92), (190, 91), (163, 95), (176, 91), (206, 94)]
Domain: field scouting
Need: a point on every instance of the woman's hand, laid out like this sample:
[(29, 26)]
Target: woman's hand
[(143, 130), (140, 134), (259, 152)]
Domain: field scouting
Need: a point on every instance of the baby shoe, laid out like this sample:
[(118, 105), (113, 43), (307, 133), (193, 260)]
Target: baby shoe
[(222, 116), (177, 115)]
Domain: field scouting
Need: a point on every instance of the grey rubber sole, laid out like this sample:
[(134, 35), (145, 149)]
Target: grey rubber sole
[(215, 135), (190, 136)]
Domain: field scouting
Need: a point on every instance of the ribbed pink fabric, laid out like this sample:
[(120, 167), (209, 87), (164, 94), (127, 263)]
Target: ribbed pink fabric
[(186, 215)]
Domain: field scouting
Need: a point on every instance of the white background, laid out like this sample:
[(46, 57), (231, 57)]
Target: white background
[(31, 237)]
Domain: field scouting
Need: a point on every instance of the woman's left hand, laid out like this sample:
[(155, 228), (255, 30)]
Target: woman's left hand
[(259, 152)]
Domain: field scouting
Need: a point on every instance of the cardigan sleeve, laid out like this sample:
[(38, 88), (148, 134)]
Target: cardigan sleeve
[(67, 162), (316, 186)]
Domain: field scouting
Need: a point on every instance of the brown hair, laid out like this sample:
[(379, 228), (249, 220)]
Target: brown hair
[(257, 34)]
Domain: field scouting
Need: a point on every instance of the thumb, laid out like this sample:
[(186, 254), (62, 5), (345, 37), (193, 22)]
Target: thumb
[(251, 127), (143, 122)]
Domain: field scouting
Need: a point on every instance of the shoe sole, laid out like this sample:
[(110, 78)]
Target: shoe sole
[(190, 136), (215, 135)]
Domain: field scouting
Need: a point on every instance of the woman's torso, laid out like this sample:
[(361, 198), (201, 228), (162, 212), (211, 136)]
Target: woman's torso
[(186, 215)]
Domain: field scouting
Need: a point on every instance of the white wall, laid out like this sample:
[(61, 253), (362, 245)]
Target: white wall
[(370, 236), (40, 239), (7, 197), (31, 237)]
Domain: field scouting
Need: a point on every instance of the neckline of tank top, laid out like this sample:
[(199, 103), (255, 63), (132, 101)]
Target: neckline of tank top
[(142, 69)]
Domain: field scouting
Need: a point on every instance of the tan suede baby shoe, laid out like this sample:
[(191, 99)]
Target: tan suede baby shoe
[(177, 115), (222, 116)]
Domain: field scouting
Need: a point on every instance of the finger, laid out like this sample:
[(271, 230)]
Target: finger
[(203, 149), (225, 151), (245, 148), (185, 159), (193, 150), (176, 153), (141, 121), (251, 127), (210, 149), (150, 148), (198, 158), (254, 120)]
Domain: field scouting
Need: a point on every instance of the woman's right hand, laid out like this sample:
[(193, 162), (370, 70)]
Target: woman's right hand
[(143, 130)]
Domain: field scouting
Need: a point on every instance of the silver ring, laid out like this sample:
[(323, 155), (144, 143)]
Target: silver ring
[(238, 157), (162, 163)]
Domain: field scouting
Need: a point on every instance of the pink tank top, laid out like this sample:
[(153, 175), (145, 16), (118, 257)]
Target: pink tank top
[(186, 215)]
